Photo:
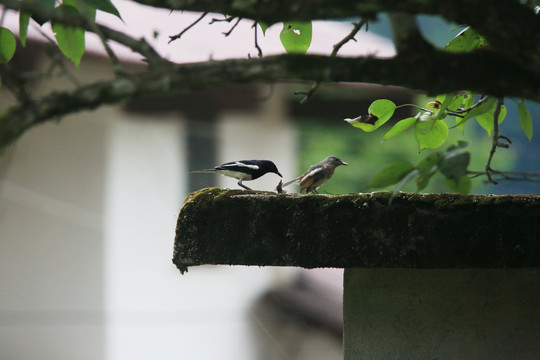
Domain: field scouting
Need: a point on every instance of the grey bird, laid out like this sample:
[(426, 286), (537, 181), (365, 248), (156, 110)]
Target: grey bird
[(317, 174)]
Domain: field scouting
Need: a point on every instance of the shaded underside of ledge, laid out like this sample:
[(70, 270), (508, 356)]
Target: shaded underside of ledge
[(234, 227)]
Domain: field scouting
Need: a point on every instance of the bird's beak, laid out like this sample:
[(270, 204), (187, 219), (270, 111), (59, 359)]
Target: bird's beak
[(279, 174), (344, 163)]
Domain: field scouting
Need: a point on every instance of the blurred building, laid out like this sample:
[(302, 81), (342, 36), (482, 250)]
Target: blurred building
[(88, 209)]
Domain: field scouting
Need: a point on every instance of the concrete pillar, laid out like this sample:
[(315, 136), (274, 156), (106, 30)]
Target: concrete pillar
[(441, 314)]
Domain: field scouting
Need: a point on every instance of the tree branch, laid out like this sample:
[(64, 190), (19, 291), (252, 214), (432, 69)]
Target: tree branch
[(501, 22), (407, 36), (179, 35), (137, 45), (357, 26), (481, 71), (511, 28), (499, 176)]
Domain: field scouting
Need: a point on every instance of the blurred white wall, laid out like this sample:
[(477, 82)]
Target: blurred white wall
[(152, 310), (51, 242), (88, 210)]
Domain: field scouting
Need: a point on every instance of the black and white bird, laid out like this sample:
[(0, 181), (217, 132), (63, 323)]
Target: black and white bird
[(317, 174), (244, 170)]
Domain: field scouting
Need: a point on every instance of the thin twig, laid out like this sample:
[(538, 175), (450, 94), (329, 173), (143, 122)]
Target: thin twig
[(458, 113), (516, 179), (532, 177), (232, 28), (349, 37), (357, 26), (494, 139), (259, 50), (480, 102), (140, 46), (225, 19), (523, 174), (179, 35), (309, 93)]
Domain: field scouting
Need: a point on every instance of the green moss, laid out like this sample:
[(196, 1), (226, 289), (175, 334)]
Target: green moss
[(220, 226), (209, 191)]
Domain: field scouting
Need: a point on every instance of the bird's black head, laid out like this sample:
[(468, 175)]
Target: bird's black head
[(269, 166)]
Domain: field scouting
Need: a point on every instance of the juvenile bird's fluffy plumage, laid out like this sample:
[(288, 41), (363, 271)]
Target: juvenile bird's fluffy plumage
[(244, 170), (317, 174)]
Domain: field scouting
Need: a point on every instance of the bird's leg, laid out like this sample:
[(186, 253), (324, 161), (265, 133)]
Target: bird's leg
[(242, 185)]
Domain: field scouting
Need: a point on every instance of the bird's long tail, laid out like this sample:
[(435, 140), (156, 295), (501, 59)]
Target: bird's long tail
[(290, 182), (203, 171)]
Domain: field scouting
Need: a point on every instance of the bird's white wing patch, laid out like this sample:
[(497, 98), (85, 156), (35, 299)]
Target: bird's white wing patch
[(313, 172), (250, 166)]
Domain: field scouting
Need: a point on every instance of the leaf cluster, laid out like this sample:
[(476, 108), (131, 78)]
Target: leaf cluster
[(431, 128), (70, 39), (451, 163)]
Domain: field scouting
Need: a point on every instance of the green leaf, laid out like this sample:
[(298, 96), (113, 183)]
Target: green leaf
[(462, 185), (456, 103), (70, 39), (470, 100), (391, 174), (24, 20), (264, 27), (466, 41), (454, 163), (486, 119), (479, 110), (104, 5), (399, 127), (46, 5), (430, 134), (404, 181), (423, 180), (427, 167), (8, 44), (383, 109), (83, 8), (525, 120), (380, 111), (296, 36), (429, 163), (467, 103), (441, 111), (447, 101)]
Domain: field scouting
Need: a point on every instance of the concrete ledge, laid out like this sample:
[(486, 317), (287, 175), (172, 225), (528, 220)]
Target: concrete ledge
[(218, 226)]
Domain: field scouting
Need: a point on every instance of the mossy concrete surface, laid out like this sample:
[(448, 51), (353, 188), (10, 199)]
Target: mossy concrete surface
[(219, 226)]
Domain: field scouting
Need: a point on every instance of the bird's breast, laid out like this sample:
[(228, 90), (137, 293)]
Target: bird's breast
[(236, 174)]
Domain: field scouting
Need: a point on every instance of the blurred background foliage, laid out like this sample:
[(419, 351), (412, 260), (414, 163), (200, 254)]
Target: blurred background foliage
[(367, 154)]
